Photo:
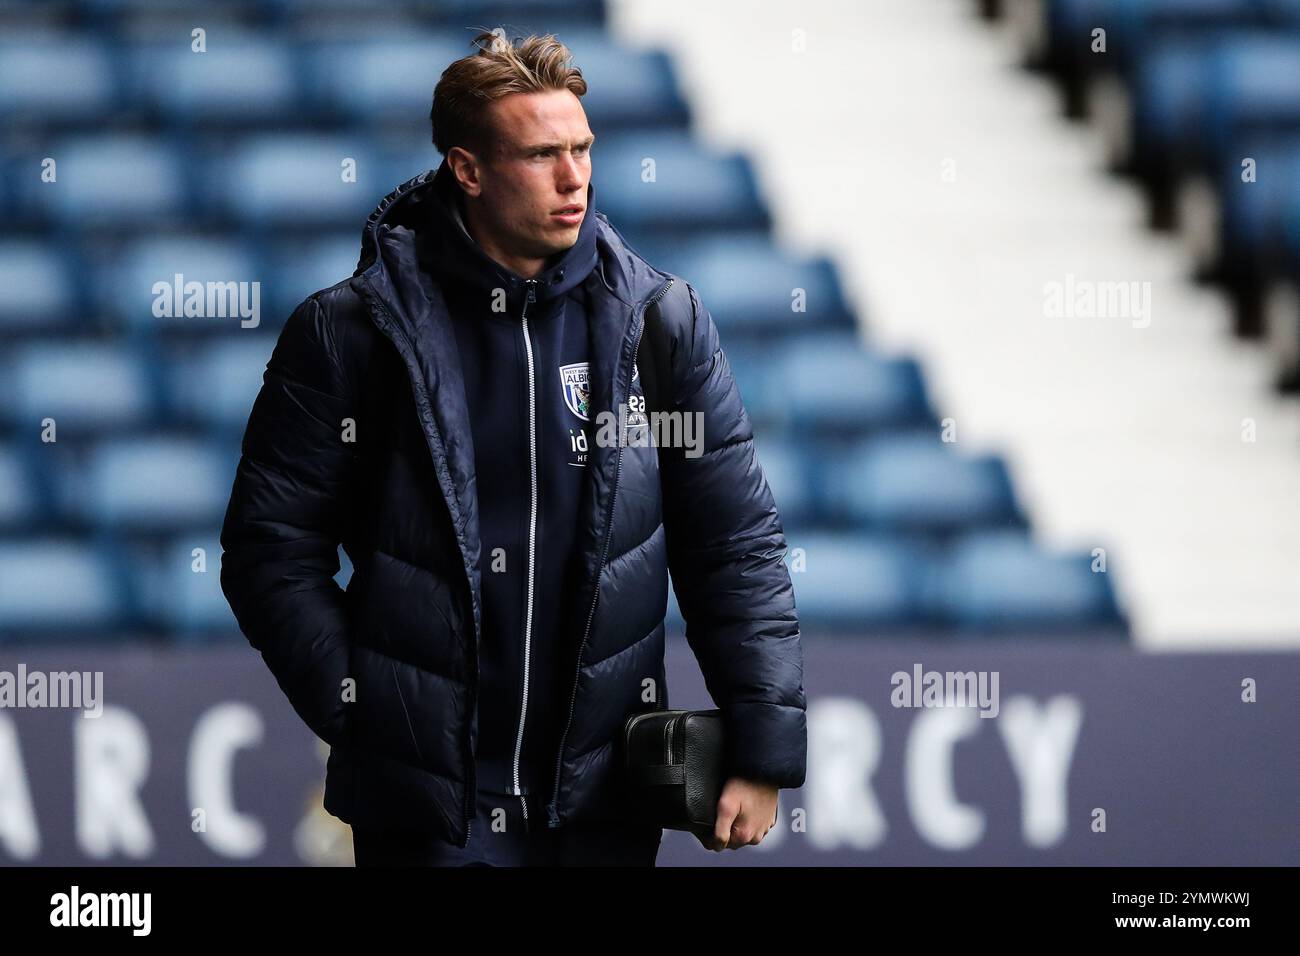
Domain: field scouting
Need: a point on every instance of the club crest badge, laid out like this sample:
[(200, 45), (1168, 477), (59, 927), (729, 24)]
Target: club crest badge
[(577, 392)]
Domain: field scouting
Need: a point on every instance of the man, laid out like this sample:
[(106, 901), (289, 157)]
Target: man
[(435, 415)]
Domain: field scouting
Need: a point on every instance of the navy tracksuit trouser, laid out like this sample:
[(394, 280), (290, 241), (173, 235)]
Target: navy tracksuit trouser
[(513, 842)]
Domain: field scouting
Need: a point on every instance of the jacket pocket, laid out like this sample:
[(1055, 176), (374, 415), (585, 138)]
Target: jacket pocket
[(381, 719)]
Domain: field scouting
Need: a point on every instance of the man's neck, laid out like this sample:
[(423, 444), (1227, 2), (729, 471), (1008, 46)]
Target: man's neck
[(526, 268)]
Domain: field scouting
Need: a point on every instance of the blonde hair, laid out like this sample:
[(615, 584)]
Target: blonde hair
[(531, 64)]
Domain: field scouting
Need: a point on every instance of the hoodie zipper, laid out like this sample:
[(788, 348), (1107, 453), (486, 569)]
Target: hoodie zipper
[(532, 539), (552, 808)]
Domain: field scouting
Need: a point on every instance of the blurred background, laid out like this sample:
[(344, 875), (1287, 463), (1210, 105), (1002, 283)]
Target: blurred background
[(1010, 291)]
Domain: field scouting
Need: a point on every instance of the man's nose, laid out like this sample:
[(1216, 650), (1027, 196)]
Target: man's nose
[(569, 178)]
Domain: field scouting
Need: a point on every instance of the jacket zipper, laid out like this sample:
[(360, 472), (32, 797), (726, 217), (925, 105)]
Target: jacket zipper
[(552, 809), (532, 540)]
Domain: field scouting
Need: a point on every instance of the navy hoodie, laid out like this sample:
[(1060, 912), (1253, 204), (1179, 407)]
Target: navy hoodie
[(525, 372)]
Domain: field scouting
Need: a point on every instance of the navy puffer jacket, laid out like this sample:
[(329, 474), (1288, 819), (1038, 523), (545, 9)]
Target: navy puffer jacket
[(359, 436)]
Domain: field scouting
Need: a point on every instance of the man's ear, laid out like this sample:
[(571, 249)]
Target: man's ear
[(464, 167)]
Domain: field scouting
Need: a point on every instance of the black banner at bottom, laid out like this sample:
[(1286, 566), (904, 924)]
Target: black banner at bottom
[(340, 905)]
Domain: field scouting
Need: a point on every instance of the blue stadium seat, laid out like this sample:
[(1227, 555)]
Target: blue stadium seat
[(38, 286), (626, 87), (19, 499), (1002, 580), (302, 268), (855, 581), (915, 482), (544, 11), (153, 483), (1255, 214), (118, 181), (79, 384), (51, 78), (140, 287), (26, 17), (1282, 13), (365, 7), (1133, 26), (297, 180), (407, 162), (1253, 83), (691, 190), (828, 383), (384, 78), (51, 585), (846, 583), (136, 20), (189, 602), (749, 286), (1168, 107), (147, 8), (238, 77), (750, 360), (218, 385), (1130, 21), (1195, 95), (785, 465), (453, 13)]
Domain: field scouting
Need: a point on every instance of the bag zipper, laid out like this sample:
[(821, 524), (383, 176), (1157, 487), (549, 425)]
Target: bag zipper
[(552, 808)]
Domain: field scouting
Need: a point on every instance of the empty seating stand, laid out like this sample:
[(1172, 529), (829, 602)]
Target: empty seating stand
[(1200, 100), (254, 161)]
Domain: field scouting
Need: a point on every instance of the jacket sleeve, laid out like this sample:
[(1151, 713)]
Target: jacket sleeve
[(726, 549), (282, 526)]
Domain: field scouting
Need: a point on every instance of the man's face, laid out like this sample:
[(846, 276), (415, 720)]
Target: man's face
[(541, 166)]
